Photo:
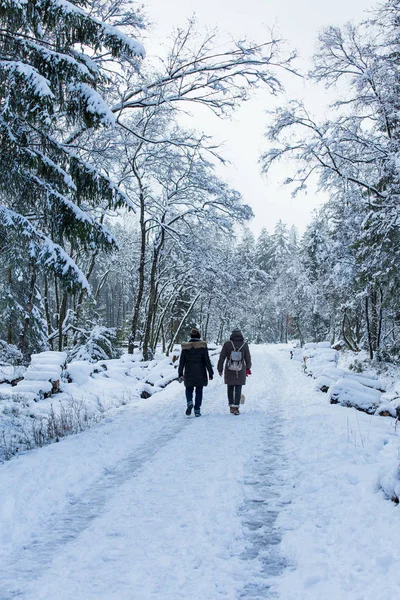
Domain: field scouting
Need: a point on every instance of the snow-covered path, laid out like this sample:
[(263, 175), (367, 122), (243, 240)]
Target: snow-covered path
[(151, 505)]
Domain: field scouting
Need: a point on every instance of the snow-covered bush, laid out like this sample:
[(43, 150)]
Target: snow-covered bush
[(96, 345), (21, 432), (11, 369), (358, 366), (389, 355), (9, 354)]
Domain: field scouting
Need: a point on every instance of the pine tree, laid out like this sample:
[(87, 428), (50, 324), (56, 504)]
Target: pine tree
[(280, 247), (263, 252), (51, 75)]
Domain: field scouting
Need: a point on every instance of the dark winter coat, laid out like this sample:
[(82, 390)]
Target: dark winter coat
[(194, 363), (234, 377)]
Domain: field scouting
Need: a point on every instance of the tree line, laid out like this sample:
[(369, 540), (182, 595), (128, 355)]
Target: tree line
[(115, 227), (353, 241), (90, 131)]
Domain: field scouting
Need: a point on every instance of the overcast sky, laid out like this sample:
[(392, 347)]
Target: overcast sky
[(298, 23)]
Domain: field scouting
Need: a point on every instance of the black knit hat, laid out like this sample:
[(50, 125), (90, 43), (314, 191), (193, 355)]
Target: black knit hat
[(195, 333), (236, 335)]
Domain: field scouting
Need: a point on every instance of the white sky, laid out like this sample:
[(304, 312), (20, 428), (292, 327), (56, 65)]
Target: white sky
[(296, 21)]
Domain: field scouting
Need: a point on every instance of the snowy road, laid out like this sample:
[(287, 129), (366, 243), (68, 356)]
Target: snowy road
[(151, 505)]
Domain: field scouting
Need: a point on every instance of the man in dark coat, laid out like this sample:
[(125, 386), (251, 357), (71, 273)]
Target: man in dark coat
[(235, 379), (194, 363)]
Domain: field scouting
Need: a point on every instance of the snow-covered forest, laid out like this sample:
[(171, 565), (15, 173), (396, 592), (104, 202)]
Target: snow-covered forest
[(113, 221), (122, 236), (115, 224)]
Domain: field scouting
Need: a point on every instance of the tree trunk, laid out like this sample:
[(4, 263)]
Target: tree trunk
[(47, 310), (62, 314), (23, 344), (348, 337), (220, 332), (142, 262), (57, 296), (332, 327), (10, 325), (83, 292), (207, 319), (373, 317), (152, 307), (164, 345), (301, 337), (160, 325), (371, 352), (380, 317)]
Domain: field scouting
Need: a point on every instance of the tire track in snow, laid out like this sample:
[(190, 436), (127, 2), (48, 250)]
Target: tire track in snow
[(37, 556), (264, 485)]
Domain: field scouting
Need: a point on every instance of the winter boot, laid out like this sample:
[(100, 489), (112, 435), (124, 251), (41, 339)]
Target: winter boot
[(197, 413), (235, 410), (189, 409)]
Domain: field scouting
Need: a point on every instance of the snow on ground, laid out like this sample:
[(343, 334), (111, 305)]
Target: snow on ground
[(87, 392), (340, 532), (280, 502)]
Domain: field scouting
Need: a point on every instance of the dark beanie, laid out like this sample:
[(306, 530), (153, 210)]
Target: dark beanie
[(236, 333), (195, 333)]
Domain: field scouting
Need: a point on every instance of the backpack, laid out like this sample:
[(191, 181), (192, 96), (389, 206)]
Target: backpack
[(235, 361)]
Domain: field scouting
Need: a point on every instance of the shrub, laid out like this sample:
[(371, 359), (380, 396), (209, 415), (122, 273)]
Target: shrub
[(98, 344), (9, 354)]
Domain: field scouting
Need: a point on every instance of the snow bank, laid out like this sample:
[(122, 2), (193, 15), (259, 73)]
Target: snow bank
[(163, 373), (131, 357), (387, 409), (339, 532), (317, 366), (85, 392), (328, 374), (297, 353), (317, 359), (79, 371), (315, 345), (324, 382), (9, 373), (34, 387), (367, 380), (390, 484), (348, 392), (348, 388)]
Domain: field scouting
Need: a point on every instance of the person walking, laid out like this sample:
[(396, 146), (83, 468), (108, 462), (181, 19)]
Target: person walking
[(236, 353), (194, 363)]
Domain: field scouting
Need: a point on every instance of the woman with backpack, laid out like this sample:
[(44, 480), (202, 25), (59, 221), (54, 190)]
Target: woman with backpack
[(194, 364), (236, 353)]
